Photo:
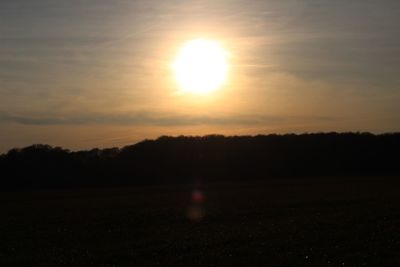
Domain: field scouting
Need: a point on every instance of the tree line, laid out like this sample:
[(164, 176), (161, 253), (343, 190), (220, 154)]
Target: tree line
[(184, 159)]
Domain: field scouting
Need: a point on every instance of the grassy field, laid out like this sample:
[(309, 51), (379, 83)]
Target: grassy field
[(342, 222)]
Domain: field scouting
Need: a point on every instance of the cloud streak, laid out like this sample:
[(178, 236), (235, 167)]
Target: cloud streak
[(157, 120)]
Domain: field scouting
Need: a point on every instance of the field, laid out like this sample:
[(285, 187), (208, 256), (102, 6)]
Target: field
[(291, 222)]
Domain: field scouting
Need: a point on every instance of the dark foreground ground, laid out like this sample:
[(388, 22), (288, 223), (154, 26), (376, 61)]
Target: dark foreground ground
[(342, 222)]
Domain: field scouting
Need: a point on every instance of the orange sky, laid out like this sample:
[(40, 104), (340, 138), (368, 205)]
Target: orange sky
[(82, 74)]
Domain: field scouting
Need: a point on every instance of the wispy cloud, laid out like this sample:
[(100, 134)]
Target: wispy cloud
[(157, 120)]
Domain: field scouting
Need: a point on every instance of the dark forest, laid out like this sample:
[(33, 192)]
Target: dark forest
[(185, 159)]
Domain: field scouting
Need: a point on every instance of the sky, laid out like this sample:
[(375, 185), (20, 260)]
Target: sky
[(97, 73)]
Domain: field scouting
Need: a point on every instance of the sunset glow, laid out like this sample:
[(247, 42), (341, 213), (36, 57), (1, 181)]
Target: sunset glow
[(110, 73)]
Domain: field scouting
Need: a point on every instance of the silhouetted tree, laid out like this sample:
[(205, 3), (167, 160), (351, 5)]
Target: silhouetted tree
[(212, 157)]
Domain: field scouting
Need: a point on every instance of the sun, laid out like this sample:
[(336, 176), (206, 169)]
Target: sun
[(201, 66)]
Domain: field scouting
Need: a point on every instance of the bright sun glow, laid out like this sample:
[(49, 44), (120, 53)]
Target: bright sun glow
[(201, 66)]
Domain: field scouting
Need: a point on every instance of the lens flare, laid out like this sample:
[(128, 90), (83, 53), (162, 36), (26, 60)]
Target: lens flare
[(196, 210)]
